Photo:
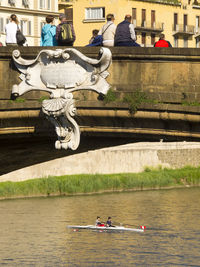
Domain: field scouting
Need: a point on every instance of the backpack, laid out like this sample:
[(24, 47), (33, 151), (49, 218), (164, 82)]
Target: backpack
[(21, 39), (65, 35)]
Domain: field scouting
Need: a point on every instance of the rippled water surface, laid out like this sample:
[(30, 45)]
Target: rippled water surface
[(33, 231)]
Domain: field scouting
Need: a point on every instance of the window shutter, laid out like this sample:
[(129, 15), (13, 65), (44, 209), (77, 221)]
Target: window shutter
[(12, 2), (21, 25), (48, 4), (1, 25), (29, 28), (41, 3), (87, 13), (25, 3)]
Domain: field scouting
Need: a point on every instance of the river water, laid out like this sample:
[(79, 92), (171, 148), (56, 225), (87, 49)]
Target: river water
[(33, 231)]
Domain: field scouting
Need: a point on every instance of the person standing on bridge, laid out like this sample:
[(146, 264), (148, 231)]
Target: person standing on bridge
[(48, 34), (65, 34), (11, 30)]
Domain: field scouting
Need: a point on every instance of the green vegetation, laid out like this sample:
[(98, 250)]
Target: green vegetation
[(134, 100), (187, 103), (110, 96), (18, 100), (79, 184), (42, 98)]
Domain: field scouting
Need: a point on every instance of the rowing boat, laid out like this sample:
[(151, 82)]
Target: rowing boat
[(104, 228)]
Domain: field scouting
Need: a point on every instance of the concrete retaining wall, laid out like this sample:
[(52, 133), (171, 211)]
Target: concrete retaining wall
[(120, 159)]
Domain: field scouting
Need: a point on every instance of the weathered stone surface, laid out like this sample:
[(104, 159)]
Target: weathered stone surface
[(169, 77)]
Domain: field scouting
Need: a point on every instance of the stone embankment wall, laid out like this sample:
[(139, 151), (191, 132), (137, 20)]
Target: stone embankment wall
[(118, 159)]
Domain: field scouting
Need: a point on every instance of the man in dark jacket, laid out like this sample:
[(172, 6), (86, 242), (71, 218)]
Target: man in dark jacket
[(125, 33), (162, 42), (63, 20)]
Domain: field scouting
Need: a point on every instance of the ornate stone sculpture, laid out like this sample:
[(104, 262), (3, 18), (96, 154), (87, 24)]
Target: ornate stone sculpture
[(61, 72)]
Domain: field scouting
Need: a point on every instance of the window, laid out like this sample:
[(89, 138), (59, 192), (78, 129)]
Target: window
[(29, 28), (69, 14), (185, 22), (134, 16), (152, 39), (41, 25), (197, 42), (49, 4), (175, 41), (175, 21), (143, 38), (25, 3), (153, 18), (95, 13), (25, 27), (185, 42), (42, 4), (23, 24), (45, 4), (143, 17), (1, 25), (11, 2), (197, 23)]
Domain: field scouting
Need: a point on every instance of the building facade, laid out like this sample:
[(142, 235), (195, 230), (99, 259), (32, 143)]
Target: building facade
[(179, 20), (31, 15)]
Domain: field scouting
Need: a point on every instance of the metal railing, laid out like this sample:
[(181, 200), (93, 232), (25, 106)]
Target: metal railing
[(197, 30), (182, 28), (148, 25)]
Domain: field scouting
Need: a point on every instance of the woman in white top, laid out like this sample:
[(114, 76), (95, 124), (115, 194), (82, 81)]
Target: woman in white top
[(11, 30)]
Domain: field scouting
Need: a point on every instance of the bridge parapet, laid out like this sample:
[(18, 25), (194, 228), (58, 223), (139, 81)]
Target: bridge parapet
[(168, 77)]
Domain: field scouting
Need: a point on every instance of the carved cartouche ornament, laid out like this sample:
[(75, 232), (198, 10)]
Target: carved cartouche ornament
[(61, 72)]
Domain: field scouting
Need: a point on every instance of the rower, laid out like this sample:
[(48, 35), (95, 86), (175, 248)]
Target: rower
[(109, 222), (98, 222)]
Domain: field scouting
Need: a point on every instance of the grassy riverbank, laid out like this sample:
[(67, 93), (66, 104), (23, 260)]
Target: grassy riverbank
[(80, 184)]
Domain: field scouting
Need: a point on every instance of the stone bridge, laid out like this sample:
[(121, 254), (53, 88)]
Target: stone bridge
[(154, 95)]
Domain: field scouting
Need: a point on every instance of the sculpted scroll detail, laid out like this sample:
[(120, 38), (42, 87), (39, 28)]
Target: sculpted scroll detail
[(61, 72)]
